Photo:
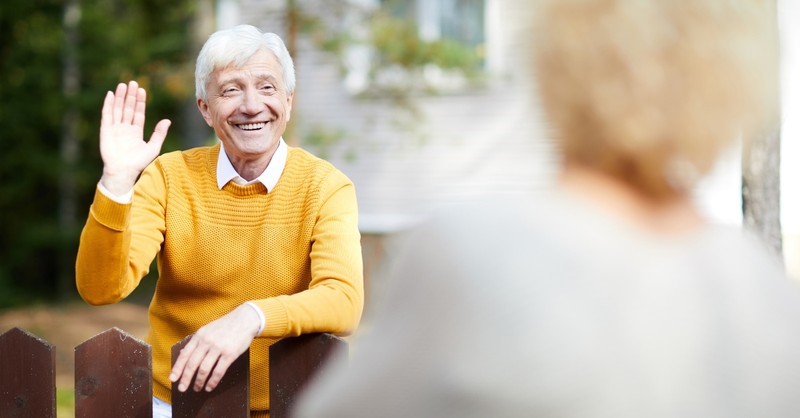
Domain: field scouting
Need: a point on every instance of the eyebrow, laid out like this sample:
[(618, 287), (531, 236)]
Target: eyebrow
[(260, 77)]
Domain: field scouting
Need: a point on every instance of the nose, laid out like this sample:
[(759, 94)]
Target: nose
[(251, 104)]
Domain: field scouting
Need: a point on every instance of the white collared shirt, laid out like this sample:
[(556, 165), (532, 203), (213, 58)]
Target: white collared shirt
[(269, 178)]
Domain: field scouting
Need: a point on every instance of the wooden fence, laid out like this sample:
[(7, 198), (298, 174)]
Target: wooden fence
[(113, 377)]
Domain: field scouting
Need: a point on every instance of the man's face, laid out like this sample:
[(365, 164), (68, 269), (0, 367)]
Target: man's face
[(248, 107)]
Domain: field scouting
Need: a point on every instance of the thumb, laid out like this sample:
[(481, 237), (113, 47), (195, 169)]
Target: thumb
[(159, 133)]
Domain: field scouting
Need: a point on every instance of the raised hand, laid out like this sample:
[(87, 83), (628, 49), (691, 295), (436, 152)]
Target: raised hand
[(123, 149)]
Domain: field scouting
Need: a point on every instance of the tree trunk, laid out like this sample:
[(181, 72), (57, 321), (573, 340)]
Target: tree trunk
[(761, 158), (69, 152), (292, 28), (761, 188), (195, 130)]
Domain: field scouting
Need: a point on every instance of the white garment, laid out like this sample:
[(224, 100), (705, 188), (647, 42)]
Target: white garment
[(161, 409), (547, 308), (269, 178)]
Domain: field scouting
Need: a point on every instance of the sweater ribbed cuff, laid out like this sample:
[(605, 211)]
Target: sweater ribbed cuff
[(110, 213), (276, 319)]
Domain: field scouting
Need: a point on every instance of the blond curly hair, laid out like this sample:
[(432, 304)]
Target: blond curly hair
[(651, 91)]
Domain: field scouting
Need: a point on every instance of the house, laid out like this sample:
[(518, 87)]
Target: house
[(465, 141)]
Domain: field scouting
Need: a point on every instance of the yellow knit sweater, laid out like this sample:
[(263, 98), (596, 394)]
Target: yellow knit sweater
[(294, 251)]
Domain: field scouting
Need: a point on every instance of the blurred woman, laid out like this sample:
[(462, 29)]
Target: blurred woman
[(612, 296)]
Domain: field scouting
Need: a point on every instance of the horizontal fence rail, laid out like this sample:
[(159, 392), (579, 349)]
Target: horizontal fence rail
[(113, 377)]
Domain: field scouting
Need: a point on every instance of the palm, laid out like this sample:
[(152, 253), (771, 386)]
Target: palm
[(122, 146)]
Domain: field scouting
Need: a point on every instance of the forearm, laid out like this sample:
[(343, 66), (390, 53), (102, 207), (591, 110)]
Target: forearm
[(334, 299), (101, 268), (335, 309), (106, 271)]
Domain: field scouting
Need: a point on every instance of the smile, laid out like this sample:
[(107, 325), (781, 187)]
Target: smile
[(251, 126)]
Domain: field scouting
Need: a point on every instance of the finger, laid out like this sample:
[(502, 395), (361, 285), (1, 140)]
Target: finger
[(119, 100), (191, 368), (159, 133), (141, 103), (204, 370), (107, 113), (220, 369), (130, 102), (183, 358)]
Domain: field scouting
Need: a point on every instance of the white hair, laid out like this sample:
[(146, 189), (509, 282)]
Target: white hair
[(235, 46)]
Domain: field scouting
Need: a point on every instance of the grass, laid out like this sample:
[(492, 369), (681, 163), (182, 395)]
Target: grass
[(65, 403)]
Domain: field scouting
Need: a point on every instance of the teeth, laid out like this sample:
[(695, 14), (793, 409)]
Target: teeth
[(252, 126)]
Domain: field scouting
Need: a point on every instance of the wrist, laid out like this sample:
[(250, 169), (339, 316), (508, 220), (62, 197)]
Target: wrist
[(261, 319), (118, 184)]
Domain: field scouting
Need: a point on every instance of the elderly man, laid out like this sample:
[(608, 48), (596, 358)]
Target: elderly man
[(255, 240)]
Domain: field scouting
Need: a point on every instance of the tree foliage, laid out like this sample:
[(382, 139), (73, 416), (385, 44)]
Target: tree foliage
[(116, 40), (400, 60)]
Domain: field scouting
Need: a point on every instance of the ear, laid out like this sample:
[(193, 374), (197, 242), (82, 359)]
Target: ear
[(203, 107), (289, 99)]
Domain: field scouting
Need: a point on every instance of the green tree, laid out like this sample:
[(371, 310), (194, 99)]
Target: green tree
[(58, 58)]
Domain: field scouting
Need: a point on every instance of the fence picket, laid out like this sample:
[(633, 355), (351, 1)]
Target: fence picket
[(292, 364), (230, 399), (27, 376), (113, 377)]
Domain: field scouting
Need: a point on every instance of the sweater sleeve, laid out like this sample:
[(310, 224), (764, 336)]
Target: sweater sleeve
[(334, 299), (119, 241)]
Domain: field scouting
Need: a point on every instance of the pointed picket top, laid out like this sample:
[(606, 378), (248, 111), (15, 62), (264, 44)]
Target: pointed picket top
[(113, 376), (28, 386), (113, 333), (230, 399), (18, 333)]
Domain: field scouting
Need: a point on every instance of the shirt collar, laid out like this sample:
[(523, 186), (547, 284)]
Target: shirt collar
[(269, 178)]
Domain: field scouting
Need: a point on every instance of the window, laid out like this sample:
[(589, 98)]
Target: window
[(461, 21), (422, 45)]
